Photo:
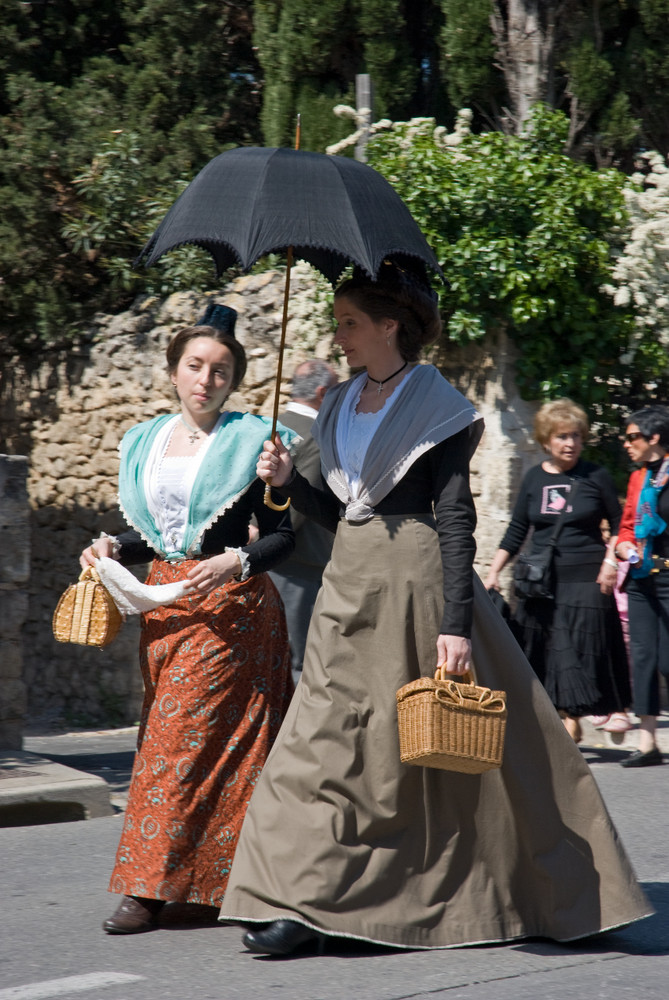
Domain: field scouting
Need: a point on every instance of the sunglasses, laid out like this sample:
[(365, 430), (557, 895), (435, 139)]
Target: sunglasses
[(633, 436)]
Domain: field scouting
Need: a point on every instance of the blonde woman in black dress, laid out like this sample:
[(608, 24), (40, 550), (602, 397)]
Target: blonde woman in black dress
[(575, 641)]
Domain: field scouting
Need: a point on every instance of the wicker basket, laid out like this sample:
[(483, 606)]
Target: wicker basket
[(86, 613), (452, 725)]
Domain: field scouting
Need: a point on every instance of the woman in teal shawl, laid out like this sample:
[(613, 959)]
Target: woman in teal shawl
[(216, 662)]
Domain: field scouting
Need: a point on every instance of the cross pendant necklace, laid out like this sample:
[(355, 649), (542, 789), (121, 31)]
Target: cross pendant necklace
[(382, 381), (195, 432)]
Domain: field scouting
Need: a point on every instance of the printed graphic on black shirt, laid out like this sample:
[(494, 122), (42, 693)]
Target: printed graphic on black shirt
[(554, 499)]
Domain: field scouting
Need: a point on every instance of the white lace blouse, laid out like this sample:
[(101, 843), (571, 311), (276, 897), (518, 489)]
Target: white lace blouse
[(168, 485)]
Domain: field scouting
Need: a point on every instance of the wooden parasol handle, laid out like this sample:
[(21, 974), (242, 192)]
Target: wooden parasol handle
[(267, 498)]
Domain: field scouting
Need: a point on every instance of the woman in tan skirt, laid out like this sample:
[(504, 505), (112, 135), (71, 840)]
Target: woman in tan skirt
[(340, 838)]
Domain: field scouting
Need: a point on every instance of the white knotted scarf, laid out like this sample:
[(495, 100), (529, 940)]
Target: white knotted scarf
[(423, 411)]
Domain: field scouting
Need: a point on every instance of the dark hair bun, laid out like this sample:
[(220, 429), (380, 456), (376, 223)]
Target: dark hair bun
[(400, 293)]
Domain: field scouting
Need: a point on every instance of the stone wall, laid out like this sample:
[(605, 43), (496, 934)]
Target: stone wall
[(485, 374), (14, 575), (68, 410)]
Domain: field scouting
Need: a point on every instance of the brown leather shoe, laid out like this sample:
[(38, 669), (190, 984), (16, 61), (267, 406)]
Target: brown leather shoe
[(134, 915)]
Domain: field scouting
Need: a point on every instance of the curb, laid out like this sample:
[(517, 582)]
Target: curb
[(600, 739), (36, 790)]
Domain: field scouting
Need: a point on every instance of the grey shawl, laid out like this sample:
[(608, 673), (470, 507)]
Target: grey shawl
[(427, 411)]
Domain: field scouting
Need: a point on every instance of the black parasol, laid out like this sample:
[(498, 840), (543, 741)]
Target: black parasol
[(327, 210), (331, 210)]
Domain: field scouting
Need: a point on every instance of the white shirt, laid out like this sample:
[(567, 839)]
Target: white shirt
[(168, 485), (356, 430), (303, 408)]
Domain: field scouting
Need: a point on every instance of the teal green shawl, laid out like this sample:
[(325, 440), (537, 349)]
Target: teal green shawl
[(227, 471)]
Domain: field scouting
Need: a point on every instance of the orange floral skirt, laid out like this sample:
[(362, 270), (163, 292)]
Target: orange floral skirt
[(217, 684)]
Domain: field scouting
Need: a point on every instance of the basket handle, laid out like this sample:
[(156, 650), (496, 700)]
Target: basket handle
[(442, 674), (89, 573)]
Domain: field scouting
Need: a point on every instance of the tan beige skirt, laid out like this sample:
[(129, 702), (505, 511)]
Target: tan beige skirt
[(342, 837)]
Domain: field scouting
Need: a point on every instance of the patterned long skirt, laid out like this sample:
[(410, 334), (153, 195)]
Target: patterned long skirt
[(217, 684)]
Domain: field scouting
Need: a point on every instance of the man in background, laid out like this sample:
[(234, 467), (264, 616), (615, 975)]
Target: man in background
[(298, 579)]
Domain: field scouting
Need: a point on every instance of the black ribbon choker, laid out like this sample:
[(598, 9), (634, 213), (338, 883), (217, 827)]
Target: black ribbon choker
[(382, 381)]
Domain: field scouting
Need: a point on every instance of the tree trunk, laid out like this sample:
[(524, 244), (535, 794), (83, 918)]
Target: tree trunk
[(524, 33)]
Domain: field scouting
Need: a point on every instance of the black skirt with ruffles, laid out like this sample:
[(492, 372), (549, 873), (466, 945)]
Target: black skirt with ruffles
[(575, 643)]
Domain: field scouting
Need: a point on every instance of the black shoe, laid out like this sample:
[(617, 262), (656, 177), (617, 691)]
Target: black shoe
[(641, 759), (281, 938)]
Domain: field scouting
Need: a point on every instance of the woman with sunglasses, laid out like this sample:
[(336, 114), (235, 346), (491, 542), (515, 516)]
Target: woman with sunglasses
[(644, 542)]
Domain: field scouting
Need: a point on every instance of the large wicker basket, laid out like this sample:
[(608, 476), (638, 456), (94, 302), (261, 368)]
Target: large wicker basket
[(452, 725), (86, 613)]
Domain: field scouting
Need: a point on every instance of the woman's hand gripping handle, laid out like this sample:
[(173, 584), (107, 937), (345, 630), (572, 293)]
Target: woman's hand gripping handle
[(275, 465), (455, 652)]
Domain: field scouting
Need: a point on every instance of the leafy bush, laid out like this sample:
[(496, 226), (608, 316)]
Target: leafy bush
[(523, 234)]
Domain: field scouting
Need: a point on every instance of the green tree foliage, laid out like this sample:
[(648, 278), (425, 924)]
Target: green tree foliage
[(189, 80), (606, 64), (522, 232), (386, 53), (302, 50), (115, 213), (647, 75), (468, 52), (106, 110), (53, 41), (310, 54)]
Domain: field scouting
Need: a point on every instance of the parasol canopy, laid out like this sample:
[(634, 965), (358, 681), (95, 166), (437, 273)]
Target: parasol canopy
[(333, 211), (327, 210)]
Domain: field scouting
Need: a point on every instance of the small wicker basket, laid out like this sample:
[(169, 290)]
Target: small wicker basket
[(86, 613), (452, 725)]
